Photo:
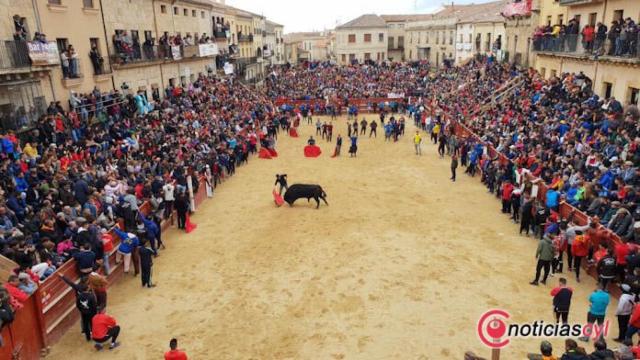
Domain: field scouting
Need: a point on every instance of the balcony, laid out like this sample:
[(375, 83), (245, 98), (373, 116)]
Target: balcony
[(72, 74), (222, 35), (245, 38), (598, 48), (576, 2), (14, 54)]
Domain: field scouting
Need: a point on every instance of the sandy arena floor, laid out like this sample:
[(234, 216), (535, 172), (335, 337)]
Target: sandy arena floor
[(399, 266)]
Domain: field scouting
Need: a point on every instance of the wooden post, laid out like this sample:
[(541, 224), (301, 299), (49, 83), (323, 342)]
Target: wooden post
[(495, 354)]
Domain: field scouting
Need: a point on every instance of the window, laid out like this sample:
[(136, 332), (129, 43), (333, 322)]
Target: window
[(549, 20), (451, 36), (543, 72), (553, 73), (163, 9), (367, 56), (55, 2), (410, 54), (560, 19), (148, 35), (367, 37), (185, 12), (175, 10), (352, 38), (618, 15), (401, 42), (381, 37), (460, 41), (634, 94), (202, 14), (592, 19), (87, 4), (470, 38), (352, 57), (94, 42), (194, 14), (607, 87), (344, 58), (391, 39)]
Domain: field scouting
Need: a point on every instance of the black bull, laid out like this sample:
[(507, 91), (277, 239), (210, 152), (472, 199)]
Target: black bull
[(298, 191)]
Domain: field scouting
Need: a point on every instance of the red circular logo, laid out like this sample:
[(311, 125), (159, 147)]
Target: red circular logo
[(492, 328)]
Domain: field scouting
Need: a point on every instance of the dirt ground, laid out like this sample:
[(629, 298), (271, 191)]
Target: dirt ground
[(399, 266)]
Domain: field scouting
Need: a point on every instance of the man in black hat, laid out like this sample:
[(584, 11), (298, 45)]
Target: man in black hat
[(146, 262)]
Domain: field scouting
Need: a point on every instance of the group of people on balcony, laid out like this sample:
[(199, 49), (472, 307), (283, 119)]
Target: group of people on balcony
[(69, 62), (128, 47), (620, 39)]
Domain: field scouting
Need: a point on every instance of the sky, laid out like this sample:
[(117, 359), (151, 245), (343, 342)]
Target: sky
[(306, 15)]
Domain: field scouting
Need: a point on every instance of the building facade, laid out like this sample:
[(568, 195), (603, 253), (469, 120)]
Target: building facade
[(25, 86), (362, 39), (306, 46), (612, 65), (521, 20)]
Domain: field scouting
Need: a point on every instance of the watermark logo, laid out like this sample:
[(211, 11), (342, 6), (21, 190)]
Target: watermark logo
[(495, 332)]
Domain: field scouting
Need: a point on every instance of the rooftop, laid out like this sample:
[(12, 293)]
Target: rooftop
[(364, 21)]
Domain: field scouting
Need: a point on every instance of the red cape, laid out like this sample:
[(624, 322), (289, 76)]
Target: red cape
[(312, 151)]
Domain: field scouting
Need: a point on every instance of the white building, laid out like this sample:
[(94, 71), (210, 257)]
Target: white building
[(273, 47), (361, 39)]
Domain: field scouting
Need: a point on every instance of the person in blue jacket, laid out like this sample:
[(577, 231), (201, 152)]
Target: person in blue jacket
[(153, 233), (128, 243)]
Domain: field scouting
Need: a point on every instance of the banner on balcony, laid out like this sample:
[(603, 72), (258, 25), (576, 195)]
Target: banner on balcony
[(208, 49), (43, 53), (522, 8), (228, 68), (175, 53)]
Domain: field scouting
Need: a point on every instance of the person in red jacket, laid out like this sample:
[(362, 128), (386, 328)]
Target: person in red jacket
[(634, 322), (14, 291), (507, 189), (579, 249), (621, 251), (103, 329), (174, 353)]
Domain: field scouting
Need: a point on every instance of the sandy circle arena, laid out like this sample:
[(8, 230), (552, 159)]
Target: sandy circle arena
[(399, 266)]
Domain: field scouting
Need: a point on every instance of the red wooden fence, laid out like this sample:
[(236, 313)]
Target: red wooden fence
[(50, 312)]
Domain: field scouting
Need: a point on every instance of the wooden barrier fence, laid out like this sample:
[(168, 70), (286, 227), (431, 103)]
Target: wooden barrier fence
[(51, 311)]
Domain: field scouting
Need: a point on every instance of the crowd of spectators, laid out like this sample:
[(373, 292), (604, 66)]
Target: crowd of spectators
[(323, 80), (67, 181)]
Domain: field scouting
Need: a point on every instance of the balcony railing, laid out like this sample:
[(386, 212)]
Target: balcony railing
[(245, 38), (14, 54), (598, 45), (220, 34)]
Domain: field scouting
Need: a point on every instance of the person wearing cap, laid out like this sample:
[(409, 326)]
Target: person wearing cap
[(146, 262), (624, 310), (174, 353)]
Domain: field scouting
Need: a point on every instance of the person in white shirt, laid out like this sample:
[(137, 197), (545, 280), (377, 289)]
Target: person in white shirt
[(168, 190), (624, 310)]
